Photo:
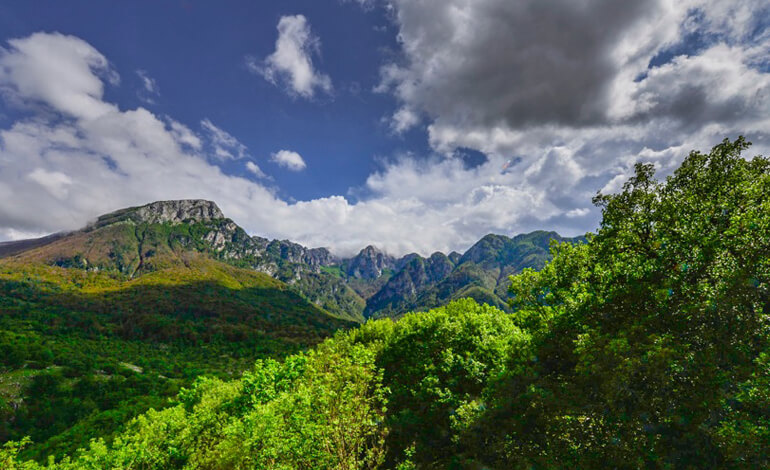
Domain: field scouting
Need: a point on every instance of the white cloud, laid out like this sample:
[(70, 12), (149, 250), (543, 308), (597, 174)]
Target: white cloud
[(291, 65), (579, 212), (54, 182), (225, 146), (288, 159), (403, 120), (184, 135), (61, 71), (91, 157), (254, 168), (150, 89)]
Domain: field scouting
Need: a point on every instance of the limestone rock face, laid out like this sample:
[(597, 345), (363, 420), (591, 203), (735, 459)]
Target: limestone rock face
[(159, 212), (180, 211), (296, 253), (402, 289)]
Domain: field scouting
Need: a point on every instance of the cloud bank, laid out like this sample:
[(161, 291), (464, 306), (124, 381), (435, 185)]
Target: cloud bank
[(559, 107), (577, 92)]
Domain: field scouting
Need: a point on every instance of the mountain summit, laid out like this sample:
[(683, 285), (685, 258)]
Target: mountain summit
[(370, 263), (159, 212)]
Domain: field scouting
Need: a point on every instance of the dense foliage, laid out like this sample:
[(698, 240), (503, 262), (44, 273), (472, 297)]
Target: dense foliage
[(83, 352), (647, 347), (650, 345), (387, 393)]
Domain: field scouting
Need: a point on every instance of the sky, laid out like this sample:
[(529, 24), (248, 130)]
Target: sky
[(413, 125)]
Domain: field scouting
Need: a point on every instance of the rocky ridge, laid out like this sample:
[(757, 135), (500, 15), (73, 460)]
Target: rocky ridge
[(159, 212), (372, 283)]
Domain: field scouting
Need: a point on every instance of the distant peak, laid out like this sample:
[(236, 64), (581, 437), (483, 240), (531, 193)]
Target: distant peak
[(494, 236), (369, 250), (176, 211), (369, 263)]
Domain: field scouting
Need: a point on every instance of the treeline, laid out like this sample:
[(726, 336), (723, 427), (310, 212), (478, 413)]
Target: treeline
[(647, 347)]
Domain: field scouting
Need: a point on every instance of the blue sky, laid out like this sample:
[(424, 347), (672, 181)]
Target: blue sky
[(195, 51), (412, 125)]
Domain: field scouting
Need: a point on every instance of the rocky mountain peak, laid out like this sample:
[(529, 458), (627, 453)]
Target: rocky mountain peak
[(370, 251), (369, 263), (179, 211), (175, 212)]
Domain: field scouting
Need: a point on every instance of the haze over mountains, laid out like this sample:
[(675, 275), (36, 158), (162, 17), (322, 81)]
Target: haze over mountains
[(138, 240)]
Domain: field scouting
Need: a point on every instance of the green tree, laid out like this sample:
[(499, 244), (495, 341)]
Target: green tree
[(649, 343)]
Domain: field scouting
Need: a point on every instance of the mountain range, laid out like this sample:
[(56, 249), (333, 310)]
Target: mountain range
[(139, 240)]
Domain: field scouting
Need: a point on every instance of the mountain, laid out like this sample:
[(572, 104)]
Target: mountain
[(481, 273), (103, 323), (370, 263), (400, 292), (142, 239), (136, 240)]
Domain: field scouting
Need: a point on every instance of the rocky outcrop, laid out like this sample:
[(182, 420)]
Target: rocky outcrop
[(296, 253), (176, 212), (159, 212), (400, 292), (370, 263), (401, 262)]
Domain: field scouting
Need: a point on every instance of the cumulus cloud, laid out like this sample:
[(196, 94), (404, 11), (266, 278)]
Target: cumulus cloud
[(291, 64), (288, 159), (577, 92), (403, 120), (184, 135), (61, 71), (54, 182)]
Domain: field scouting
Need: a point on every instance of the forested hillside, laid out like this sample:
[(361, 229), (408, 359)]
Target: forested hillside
[(82, 351), (647, 347)]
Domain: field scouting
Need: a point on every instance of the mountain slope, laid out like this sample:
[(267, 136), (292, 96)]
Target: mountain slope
[(101, 324), (399, 294), (481, 273), (138, 240), (143, 239)]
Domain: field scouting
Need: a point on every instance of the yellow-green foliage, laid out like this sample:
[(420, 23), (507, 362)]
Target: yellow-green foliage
[(357, 401), (70, 332)]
